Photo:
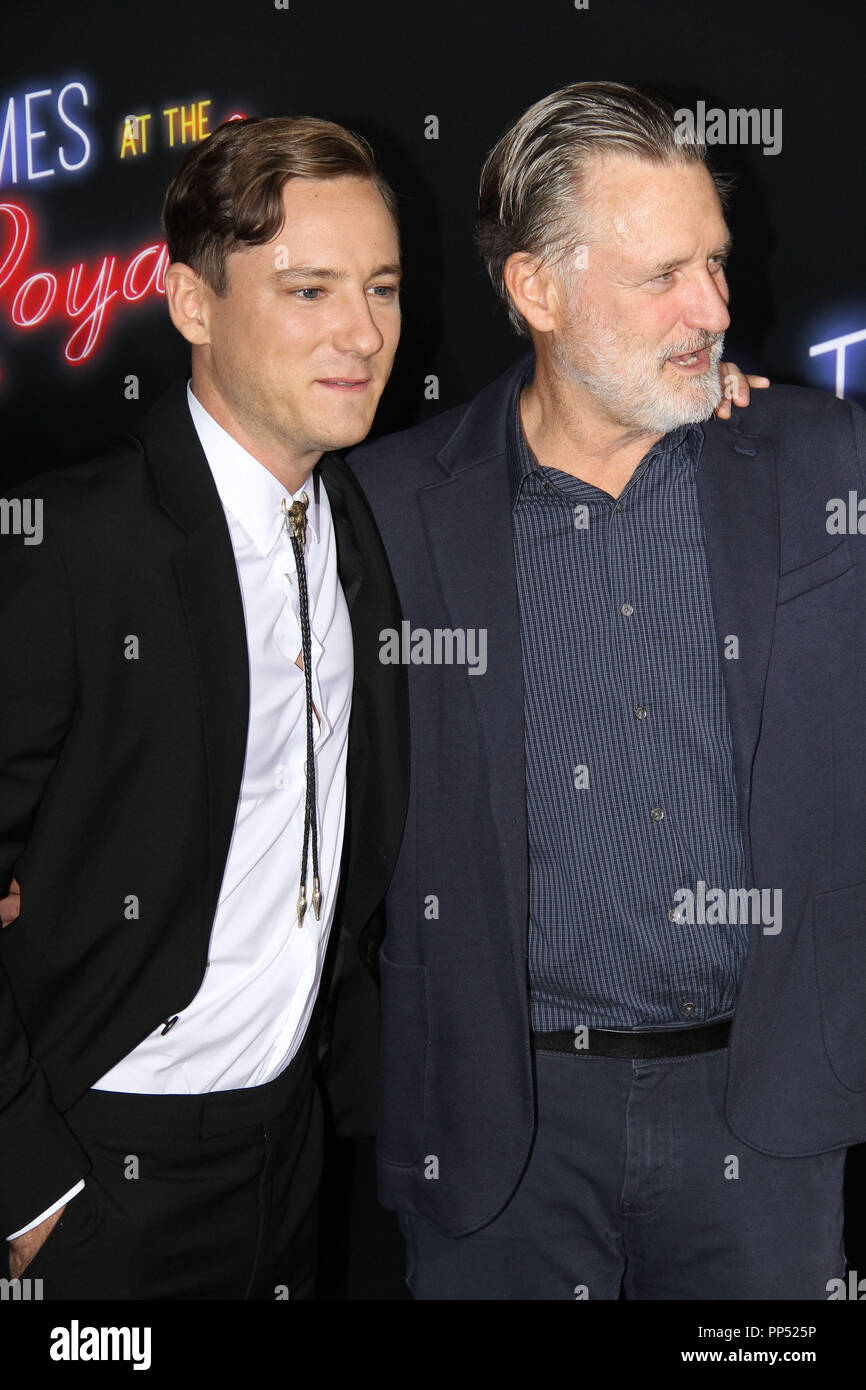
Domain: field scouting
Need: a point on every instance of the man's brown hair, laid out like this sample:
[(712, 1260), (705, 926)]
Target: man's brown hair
[(227, 192)]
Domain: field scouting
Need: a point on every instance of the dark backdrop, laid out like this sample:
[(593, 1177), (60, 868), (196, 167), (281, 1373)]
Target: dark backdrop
[(81, 190)]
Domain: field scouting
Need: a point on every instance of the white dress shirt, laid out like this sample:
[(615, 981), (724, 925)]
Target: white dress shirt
[(252, 1009)]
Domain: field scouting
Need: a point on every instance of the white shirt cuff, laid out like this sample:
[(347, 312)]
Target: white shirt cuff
[(73, 1192)]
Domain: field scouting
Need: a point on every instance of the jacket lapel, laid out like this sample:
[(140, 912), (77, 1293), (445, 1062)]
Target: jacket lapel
[(468, 520), (378, 763), (738, 499), (210, 593)]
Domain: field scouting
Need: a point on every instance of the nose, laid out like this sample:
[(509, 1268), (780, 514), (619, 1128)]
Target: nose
[(707, 305), (357, 330)]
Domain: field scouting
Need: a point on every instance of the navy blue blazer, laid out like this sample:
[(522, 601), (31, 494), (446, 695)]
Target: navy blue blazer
[(456, 1082)]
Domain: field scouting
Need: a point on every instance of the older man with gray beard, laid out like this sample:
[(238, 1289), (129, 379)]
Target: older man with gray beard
[(588, 1090)]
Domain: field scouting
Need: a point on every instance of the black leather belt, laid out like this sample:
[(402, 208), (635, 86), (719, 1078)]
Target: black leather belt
[(639, 1044)]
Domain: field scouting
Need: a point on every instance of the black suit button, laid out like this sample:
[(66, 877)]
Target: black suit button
[(169, 1023)]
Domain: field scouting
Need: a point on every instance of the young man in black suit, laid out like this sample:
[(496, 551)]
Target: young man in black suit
[(202, 759)]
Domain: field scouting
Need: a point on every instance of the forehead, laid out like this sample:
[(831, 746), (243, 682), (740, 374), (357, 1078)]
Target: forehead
[(320, 203), (639, 207), (342, 222)]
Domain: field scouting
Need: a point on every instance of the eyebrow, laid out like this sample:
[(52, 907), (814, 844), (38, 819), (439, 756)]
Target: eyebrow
[(317, 272), (723, 250)]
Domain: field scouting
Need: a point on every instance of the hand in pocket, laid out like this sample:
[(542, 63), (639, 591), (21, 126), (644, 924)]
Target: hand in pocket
[(25, 1248)]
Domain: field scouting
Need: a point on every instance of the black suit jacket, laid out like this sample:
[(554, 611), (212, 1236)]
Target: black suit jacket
[(123, 724)]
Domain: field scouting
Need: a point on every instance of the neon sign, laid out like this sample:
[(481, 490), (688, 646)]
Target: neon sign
[(190, 127), (22, 151), (78, 296), (839, 345)]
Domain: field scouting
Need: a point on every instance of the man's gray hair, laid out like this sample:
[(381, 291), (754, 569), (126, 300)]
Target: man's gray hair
[(532, 180)]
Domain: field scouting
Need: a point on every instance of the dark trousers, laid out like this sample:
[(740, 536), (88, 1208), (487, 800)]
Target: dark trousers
[(637, 1188), (192, 1197)]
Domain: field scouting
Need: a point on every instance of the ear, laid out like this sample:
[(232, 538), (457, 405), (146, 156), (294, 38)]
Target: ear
[(532, 290), (188, 298)]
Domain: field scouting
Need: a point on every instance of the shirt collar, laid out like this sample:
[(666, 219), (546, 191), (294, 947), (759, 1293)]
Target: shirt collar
[(247, 489), (522, 463)]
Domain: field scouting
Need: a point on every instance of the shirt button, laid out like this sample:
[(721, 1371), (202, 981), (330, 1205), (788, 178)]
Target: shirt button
[(169, 1024), (657, 813), (690, 1008), (626, 610), (674, 914), (641, 712)]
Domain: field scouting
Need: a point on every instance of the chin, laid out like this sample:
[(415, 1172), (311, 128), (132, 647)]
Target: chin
[(669, 415), (344, 439), (689, 406)]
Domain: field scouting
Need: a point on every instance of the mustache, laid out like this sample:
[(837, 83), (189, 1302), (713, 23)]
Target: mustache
[(708, 340)]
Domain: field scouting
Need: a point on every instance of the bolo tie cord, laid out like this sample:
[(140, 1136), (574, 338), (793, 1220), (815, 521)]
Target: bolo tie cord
[(295, 520)]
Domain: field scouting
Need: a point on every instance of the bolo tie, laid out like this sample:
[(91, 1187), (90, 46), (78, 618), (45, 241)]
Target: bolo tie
[(295, 522)]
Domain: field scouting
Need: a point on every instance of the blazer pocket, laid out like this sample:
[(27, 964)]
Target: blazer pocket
[(403, 1070), (830, 566), (840, 961)]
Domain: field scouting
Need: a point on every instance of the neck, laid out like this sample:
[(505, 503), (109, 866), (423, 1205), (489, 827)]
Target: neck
[(568, 430), (290, 469)]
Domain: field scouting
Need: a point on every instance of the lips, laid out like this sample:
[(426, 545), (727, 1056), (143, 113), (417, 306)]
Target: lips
[(339, 383), (697, 361)]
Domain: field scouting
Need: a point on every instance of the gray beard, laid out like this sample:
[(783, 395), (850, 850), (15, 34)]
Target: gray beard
[(644, 408)]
